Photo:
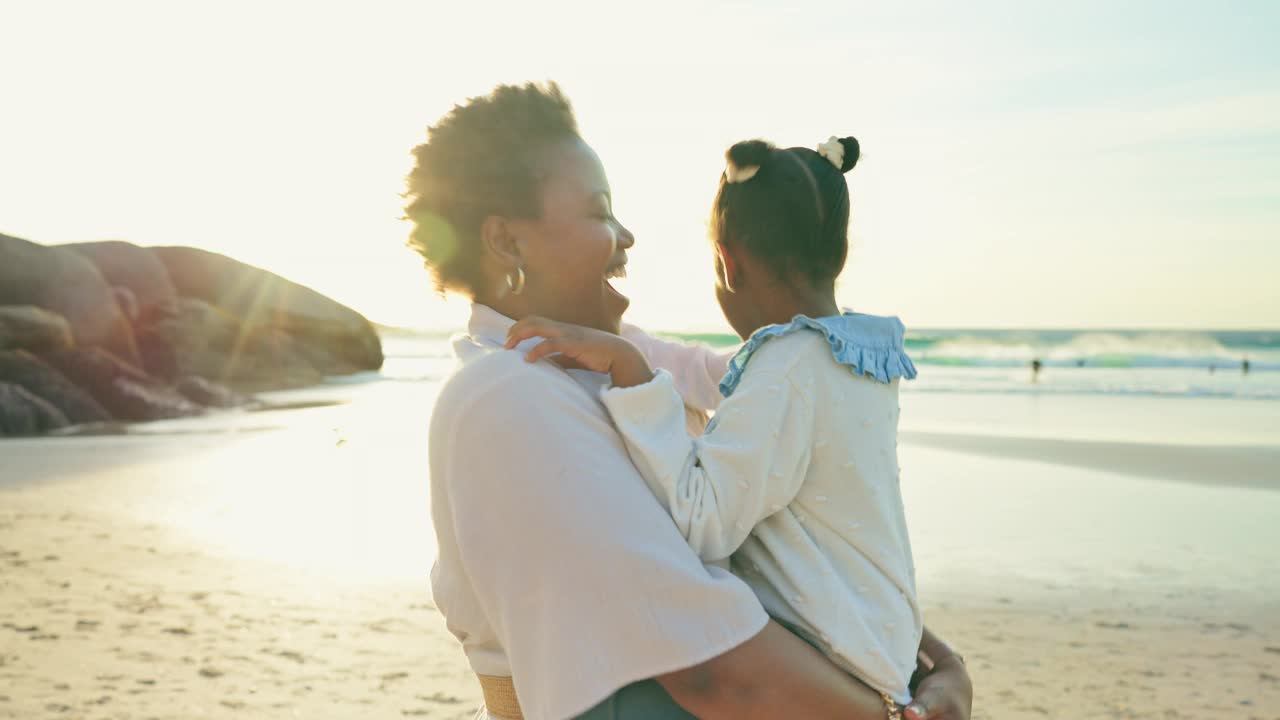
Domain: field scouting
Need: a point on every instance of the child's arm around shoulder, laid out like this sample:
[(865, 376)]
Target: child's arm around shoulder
[(582, 347), (696, 369), (749, 464)]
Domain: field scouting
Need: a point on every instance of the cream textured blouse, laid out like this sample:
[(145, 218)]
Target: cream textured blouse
[(556, 564), (796, 480)]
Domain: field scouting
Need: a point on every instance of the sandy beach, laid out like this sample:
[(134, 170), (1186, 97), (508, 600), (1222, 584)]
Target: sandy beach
[(108, 618), (274, 565)]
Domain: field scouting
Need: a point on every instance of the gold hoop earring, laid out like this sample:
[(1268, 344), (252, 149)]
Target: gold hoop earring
[(516, 286)]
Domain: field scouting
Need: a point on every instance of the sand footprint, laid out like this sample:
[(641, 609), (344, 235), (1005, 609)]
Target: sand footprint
[(390, 679)]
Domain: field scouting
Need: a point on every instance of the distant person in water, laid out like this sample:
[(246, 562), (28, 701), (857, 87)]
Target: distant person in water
[(1244, 366), (1036, 365)]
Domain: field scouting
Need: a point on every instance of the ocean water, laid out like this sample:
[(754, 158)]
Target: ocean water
[(1157, 363), (1116, 362)]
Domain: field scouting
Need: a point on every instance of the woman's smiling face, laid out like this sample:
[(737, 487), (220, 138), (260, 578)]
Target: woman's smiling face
[(570, 253)]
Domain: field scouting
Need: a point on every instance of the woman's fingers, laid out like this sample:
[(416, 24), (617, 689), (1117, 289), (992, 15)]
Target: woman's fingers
[(917, 710), (946, 693)]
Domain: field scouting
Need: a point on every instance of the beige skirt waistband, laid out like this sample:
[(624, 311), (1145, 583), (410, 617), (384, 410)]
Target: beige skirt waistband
[(500, 697)]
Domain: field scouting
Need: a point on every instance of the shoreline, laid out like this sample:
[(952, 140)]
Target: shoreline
[(1255, 466)]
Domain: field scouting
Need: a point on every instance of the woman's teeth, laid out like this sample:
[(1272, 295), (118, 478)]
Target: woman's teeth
[(612, 276)]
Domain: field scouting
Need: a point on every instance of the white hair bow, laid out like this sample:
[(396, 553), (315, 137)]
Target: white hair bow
[(734, 174), (833, 150)]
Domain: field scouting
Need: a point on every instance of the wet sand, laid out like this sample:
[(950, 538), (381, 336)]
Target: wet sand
[(1217, 465)]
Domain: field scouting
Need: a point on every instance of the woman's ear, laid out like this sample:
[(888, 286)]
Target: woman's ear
[(500, 243)]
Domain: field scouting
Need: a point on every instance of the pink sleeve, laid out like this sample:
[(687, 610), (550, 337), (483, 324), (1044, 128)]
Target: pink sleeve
[(695, 369)]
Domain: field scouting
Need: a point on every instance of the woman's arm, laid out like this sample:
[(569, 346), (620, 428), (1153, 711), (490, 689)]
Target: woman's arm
[(730, 686), (773, 675)]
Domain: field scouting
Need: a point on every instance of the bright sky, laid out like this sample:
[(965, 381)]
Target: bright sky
[(1085, 164)]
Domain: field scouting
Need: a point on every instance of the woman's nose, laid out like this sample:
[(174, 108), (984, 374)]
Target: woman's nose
[(625, 239)]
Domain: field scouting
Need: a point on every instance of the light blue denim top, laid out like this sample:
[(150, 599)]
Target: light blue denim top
[(867, 344)]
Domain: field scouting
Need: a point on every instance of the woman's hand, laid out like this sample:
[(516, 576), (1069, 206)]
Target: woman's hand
[(583, 347), (945, 693)]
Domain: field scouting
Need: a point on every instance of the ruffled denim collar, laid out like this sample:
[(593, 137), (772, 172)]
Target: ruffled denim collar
[(869, 345)]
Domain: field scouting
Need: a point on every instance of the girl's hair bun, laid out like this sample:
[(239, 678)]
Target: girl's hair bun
[(852, 150), (750, 153)]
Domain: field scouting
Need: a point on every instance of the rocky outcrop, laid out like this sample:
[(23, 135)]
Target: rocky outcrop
[(202, 392), (65, 282), (132, 268), (26, 326), (110, 330), (127, 303), (192, 337), (23, 369), (275, 359), (178, 338), (125, 391), (22, 413), (340, 340)]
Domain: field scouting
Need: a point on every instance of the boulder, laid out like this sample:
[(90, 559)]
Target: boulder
[(273, 359), (141, 401), (30, 328), (127, 303), (209, 394), (261, 299), (192, 337), (187, 337), (22, 413), (68, 283), (131, 267), (37, 377), (124, 390)]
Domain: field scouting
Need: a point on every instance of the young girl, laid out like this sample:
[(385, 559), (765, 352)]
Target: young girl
[(796, 477)]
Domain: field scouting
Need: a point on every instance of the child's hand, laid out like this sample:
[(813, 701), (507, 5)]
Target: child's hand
[(584, 347)]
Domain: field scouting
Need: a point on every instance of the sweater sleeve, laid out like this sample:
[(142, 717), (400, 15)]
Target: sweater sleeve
[(747, 466)]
